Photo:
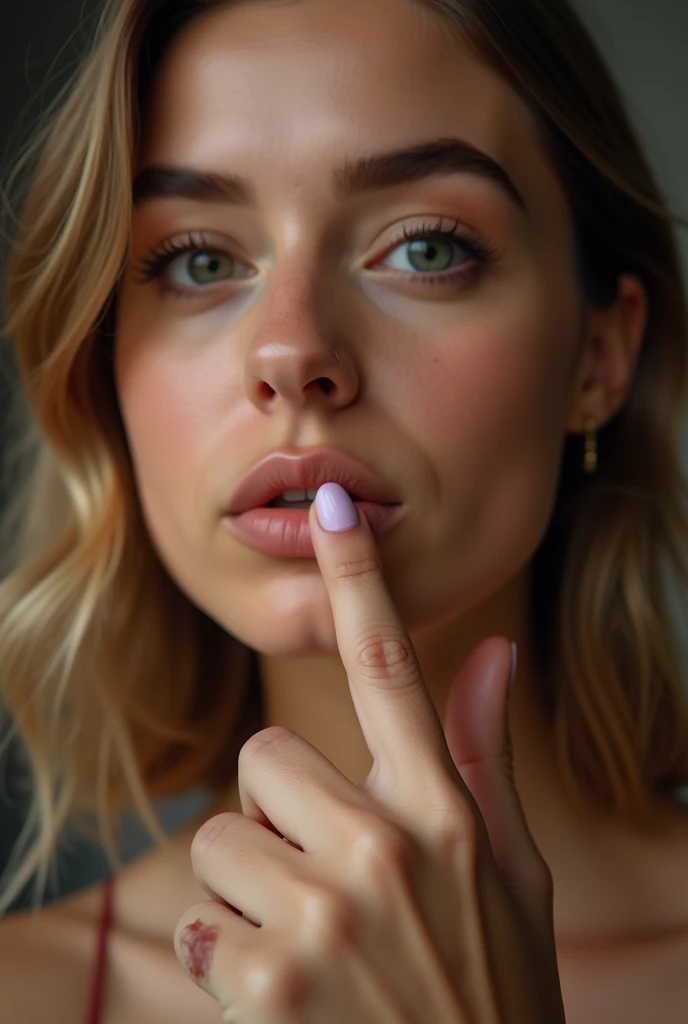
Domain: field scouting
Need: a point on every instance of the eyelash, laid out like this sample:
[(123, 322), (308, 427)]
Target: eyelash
[(154, 265)]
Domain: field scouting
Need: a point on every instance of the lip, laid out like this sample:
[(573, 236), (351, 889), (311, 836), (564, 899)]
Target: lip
[(284, 470), (285, 533)]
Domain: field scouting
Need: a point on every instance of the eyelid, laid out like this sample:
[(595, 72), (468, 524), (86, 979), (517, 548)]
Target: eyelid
[(154, 266), (159, 257), (466, 238)]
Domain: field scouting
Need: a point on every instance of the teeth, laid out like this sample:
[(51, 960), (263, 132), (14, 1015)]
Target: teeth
[(308, 495), (300, 495)]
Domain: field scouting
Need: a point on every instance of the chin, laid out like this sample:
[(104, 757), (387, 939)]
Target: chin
[(289, 618)]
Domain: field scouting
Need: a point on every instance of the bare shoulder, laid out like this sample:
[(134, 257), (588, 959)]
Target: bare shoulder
[(45, 965), (47, 961)]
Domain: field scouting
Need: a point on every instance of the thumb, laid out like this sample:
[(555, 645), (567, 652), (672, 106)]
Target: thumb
[(477, 733)]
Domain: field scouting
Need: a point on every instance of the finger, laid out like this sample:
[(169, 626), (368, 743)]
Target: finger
[(213, 945), (392, 702), (239, 862), (288, 785), (477, 730)]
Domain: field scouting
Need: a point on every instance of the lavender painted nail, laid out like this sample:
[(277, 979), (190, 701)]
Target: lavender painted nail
[(336, 511)]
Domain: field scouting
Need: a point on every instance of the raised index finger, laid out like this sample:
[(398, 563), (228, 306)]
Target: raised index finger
[(398, 718)]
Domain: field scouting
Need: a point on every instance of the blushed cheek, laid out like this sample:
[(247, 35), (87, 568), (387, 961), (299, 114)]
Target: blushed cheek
[(165, 406), (148, 410), (495, 387), (491, 417)]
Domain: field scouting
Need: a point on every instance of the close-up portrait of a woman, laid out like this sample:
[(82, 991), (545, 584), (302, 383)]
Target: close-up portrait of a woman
[(343, 443)]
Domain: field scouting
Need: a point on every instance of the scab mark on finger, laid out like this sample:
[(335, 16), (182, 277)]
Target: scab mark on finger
[(197, 942)]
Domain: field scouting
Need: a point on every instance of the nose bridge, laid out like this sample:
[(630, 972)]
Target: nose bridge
[(295, 298), (297, 353), (293, 294)]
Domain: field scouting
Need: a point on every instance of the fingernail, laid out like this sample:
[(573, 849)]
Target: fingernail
[(336, 511), (514, 663)]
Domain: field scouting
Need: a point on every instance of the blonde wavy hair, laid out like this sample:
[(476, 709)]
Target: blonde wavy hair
[(113, 681)]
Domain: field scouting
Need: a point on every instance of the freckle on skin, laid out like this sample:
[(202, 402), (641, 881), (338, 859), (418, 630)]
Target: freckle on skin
[(198, 941)]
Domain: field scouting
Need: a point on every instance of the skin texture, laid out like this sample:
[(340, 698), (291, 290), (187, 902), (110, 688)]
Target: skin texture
[(460, 394)]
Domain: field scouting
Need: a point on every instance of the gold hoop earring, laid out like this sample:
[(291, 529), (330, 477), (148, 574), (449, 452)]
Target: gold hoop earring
[(590, 460)]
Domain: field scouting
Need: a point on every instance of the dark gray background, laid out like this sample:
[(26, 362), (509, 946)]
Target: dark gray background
[(40, 40)]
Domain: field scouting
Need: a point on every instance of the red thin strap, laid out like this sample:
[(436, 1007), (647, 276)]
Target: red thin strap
[(95, 1001)]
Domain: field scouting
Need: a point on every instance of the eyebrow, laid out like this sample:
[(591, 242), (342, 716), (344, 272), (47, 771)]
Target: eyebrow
[(438, 157)]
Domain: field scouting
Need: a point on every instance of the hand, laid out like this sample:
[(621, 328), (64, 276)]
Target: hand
[(405, 900)]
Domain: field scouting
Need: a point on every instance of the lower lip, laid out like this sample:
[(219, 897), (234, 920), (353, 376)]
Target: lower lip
[(284, 532)]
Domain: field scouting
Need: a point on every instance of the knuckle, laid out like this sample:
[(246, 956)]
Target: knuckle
[(329, 920), (380, 850), (455, 826), (273, 735), (192, 914), (384, 657), (213, 832), (276, 983), (363, 567)]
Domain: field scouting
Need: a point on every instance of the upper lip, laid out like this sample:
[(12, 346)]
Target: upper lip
[(283, 471)]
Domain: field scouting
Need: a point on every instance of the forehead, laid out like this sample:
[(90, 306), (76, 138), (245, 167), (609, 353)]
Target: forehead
[(298, 85)]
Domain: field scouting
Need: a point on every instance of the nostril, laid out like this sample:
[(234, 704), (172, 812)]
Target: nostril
[(326, 384), (267, 391)]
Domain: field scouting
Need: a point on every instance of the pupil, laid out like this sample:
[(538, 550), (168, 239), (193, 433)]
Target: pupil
[(205, 266), (427, 251)]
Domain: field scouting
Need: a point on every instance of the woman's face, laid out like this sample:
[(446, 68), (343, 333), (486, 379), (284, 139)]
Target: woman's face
[(456, 388)]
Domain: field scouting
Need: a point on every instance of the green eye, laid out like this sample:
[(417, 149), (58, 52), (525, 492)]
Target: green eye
[(430, 254), (205, 266), (430, 251)]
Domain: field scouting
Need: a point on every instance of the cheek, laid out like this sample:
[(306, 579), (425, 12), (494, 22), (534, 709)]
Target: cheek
[(494, 383), (170, 380), (172, 366), (175, 396), (487, 413), (164, 403), (490, 412)]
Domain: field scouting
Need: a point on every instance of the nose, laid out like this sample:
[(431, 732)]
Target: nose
[(292, 359)]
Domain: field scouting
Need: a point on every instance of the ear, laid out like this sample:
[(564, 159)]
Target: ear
[(609, 356)]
